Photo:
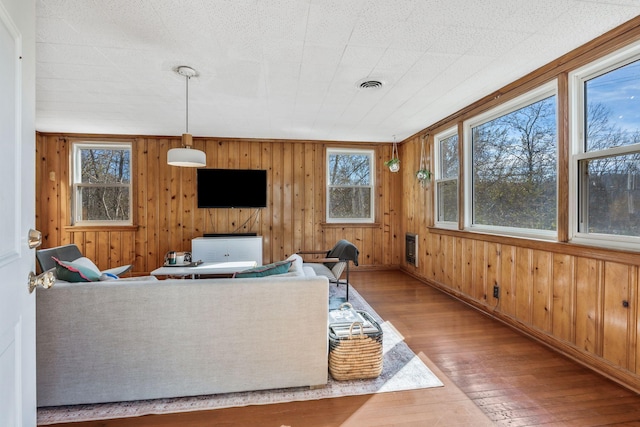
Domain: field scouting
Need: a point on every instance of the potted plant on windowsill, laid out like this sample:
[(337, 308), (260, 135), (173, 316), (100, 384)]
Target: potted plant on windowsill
[(393, 164)]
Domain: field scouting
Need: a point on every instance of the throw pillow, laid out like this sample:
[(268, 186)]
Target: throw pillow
[(87, 263), (296, 264), (278, 267), (77, 271)]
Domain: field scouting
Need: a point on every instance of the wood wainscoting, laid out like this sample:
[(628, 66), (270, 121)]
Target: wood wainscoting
[(582, 302), (166, 216)]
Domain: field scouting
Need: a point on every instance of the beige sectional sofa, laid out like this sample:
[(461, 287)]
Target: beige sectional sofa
[(128, 340)]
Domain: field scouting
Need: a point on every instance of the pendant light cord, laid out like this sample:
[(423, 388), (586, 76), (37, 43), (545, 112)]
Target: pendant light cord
[(187, 98)]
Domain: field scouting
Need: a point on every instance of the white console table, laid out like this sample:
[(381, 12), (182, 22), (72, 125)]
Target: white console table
[(227, 248)]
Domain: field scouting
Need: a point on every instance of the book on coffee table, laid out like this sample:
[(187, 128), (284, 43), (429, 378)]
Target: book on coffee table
[(340, 322), (344, 330), (345, 316)]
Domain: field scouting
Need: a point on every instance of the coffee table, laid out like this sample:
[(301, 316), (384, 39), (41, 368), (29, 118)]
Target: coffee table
[(212, 268)]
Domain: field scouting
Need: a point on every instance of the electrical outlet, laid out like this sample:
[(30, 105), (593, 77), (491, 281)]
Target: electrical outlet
[(496, 291)]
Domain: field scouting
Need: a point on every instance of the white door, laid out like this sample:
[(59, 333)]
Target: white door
[(17, 212)]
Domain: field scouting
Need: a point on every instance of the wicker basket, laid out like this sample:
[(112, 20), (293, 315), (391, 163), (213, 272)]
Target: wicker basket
[(358, 355)]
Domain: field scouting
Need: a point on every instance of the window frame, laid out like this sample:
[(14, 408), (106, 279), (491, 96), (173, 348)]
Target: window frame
[(372, 173), (532, 96), (578, 153), (76, 184), (437, 169)]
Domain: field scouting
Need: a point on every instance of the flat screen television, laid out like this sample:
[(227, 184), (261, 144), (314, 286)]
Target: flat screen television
[(232, 188)]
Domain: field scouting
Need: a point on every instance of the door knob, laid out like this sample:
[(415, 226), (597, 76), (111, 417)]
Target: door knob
[(46, 280), (35, 238)]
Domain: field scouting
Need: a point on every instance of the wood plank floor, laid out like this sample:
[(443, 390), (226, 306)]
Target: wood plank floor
[(492, 374)]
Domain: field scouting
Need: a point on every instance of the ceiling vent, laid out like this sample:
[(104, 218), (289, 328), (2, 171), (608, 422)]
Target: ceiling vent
[(370, 84)]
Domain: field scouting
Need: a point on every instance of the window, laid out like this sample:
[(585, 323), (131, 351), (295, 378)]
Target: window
[(605, 164), (101, 184), (446, 178), (512, 164), (350, 185)]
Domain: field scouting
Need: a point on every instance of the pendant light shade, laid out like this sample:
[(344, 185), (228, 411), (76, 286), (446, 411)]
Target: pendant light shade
[(186, 156)]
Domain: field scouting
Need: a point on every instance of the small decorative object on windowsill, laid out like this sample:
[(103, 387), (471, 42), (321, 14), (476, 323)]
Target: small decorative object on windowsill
[(423, 174), (394, 163)]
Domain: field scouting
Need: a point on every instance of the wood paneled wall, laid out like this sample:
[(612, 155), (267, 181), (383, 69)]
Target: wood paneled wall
[(583, 301), (166, 216)]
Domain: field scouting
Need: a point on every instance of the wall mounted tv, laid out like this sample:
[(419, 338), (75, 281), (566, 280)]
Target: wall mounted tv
[(232, 188)]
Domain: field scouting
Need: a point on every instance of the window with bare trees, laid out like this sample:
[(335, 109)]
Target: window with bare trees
[(102, 183), (513, 166), (350, 185), (446, 178), (605, 167)]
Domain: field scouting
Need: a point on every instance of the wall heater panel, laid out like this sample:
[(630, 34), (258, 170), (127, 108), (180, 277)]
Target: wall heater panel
[(411, 249)]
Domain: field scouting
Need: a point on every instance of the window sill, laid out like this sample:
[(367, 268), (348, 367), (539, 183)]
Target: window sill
[(72, 228), (350, 224)]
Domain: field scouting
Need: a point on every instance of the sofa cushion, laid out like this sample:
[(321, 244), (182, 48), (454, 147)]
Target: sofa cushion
[(296, 265), (80, 270), (308, 271), (278, 267), (321, 270)]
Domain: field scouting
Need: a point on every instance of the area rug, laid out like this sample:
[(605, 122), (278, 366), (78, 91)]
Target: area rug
[(402, 370)]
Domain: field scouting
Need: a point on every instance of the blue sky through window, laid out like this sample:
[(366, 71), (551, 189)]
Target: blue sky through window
[(619, 91)]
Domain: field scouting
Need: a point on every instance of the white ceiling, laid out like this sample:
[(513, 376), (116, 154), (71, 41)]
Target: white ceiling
[(289, 68)]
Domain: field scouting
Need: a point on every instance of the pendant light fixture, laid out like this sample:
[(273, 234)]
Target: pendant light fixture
[(186, 156)]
